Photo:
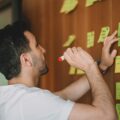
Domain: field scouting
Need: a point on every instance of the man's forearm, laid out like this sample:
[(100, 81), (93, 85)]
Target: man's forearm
[(102, 97), (76, 90)]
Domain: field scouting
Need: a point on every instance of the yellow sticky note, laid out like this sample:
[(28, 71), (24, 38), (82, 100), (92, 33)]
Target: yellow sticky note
[(70, 40), (104, 33), (90, 39), (72, 70), (90, 2), (68, 6), (80, 72), (118, 91), (117, 64), (119, 29), (118, 110), (119, 34)]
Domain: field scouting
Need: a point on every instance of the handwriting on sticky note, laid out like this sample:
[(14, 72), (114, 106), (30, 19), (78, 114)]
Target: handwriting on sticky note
[(70, 40), (68, 6), (117, 64), (104, 33), (90, 39), (118, 110), (72, 70), (118, 91), (80, 72)]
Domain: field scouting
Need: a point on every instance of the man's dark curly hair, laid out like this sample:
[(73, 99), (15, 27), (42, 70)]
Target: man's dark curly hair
[(12, 44)]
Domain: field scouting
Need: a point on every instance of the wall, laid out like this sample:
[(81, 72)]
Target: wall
[(5, 17), (53, 28)]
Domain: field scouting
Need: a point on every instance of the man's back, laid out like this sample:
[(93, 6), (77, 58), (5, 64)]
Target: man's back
[(18, 102)]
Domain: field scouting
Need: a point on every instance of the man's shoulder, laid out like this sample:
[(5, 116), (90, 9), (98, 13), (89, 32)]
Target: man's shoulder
[(17, 90)]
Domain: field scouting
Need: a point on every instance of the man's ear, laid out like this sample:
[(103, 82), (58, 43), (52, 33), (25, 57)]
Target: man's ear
[(26, 59)]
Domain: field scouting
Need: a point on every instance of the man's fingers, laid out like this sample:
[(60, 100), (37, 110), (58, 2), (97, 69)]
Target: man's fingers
[(74, 49), (69, 52), (67, 56), (113, 34), (114, 40), (108, 44), (113, 53), (110, 38), (79, 48)]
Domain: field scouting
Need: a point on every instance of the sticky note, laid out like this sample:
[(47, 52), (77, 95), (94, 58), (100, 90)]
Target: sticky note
[(119, 34), (68, 6), (118, 110), (70, 40), (80, 72), (72, 70), (117, 90), (119, 29), (90, 39), (117, 64), (90, 2), (104, 33)]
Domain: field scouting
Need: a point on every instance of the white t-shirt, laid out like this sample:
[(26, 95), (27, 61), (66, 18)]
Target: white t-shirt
[(19, 102)]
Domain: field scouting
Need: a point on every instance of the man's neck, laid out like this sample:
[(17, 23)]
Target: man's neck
[(30, 82)]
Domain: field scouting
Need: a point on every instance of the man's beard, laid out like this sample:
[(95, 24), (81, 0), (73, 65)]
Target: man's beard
[(44, 70)]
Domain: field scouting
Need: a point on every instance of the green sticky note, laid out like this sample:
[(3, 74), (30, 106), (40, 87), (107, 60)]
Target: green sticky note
[(117, 64), (104, 33), (119, 29), (119, 34), (90, 39), (70, 40), (80, 72), (119, 42), (68, 6), (72, 70), (118, 91), (118, 110), (90, 2)]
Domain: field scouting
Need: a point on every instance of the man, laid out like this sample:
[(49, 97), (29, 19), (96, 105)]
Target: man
[(22, 62)]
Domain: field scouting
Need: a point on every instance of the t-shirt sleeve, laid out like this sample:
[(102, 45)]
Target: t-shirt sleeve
[(43, 105)]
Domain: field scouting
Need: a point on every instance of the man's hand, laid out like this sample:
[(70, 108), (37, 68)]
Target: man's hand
[(78, 58), (107, 57)]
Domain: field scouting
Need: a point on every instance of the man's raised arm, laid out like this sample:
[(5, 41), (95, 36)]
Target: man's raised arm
[(81, 86), (102, 106)]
